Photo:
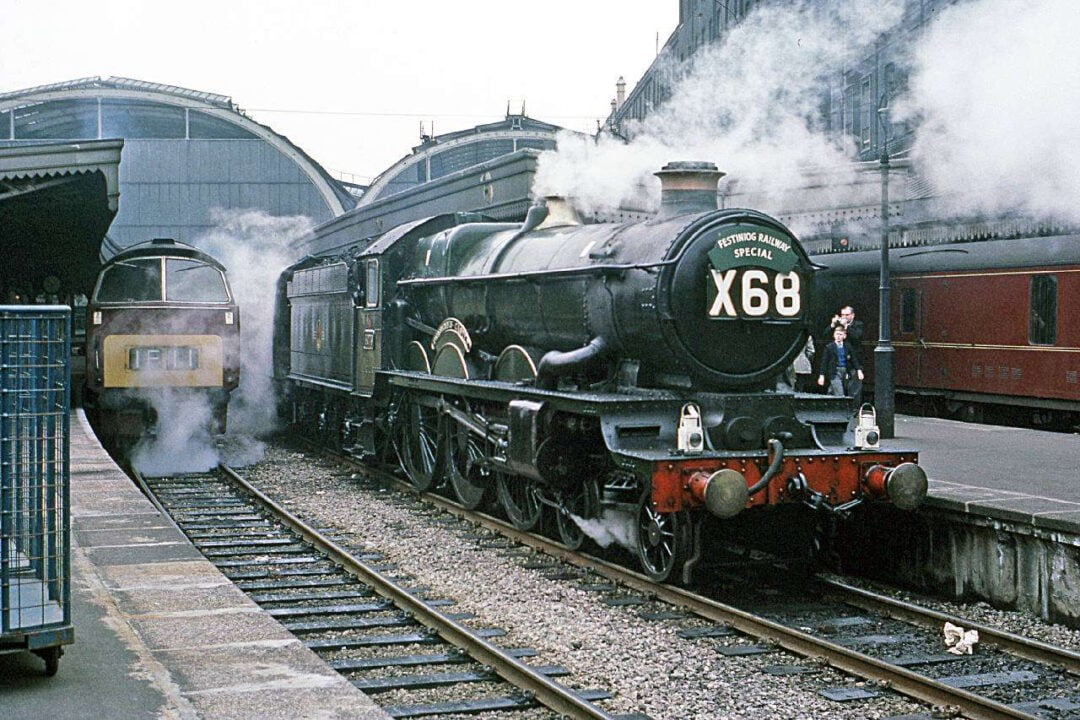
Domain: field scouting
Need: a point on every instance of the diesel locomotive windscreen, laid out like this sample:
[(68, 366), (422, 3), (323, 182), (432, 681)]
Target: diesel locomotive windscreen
[(137, 280), (193, 281)]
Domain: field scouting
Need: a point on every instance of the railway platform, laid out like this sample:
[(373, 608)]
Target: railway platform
[(1010, 474), (159, 632), (1000, 524)]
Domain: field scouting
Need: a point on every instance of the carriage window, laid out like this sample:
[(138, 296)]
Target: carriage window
[(907, 310), (131, 281), (372, 284), (193, 281), (1042, 327)]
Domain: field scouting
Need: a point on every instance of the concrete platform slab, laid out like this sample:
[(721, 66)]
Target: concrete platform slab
[(161, 575), (138, 601), (120, 537), (1058, 522), (247, 667), (1019, 509), (150, 519), (142, 553), (111, 503), (203, 628), (328, 703)]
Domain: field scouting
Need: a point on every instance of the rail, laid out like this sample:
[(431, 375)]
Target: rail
[(850, 661), (543, 689)]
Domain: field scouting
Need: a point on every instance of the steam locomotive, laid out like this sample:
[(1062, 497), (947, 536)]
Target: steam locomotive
[(162, 325), (584, 368)]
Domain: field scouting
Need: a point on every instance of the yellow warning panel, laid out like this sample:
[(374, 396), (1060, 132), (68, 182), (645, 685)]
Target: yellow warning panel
[(162, 361)]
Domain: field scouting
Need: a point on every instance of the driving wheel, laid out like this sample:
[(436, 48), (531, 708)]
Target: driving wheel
[(419, 442), (520, 500), (579, 503), (663, 540), (469, 477)]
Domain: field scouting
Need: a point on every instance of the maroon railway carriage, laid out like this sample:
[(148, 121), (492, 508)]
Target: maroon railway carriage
[(984, 331)]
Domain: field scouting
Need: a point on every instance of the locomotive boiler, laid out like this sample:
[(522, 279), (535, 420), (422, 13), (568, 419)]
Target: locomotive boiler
[(584, 368), (162, 327)]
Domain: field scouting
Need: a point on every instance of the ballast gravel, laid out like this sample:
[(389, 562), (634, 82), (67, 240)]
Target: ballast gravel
[(644, 664), (1016, 622)]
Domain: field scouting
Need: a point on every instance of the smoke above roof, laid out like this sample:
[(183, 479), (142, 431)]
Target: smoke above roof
[(995, 92), (991, 94), (750, 103)]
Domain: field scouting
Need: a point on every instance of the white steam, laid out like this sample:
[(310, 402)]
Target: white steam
[(993, 97), (182, 442), (612, 527), (254, 247), (995, 91), (751, 103)]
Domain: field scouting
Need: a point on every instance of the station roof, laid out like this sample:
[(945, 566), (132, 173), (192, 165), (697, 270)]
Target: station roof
[(499, 188), (41, 109), (122, 83), (56, 202), (443, 155)]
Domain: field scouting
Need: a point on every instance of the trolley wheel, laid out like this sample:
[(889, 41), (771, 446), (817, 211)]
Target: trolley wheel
[(663, 540), (51, 656)]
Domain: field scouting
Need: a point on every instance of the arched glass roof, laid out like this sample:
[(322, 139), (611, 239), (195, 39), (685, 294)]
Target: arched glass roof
[(446, 154), (96, 108)]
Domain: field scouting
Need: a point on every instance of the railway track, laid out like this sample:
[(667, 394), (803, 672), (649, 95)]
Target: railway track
[(815, 631), (355, 613)]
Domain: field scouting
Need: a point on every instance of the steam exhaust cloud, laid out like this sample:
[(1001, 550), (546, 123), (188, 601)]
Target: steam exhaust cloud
[(991, 96), (254, 247)]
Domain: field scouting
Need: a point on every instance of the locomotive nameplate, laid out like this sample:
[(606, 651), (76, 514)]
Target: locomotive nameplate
[(753, 274), (454, 331)]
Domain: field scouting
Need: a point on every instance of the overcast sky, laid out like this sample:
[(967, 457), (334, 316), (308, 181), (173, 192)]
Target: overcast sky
[(349, 81)]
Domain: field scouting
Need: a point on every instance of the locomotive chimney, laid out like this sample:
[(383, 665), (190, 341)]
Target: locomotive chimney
[(687, 187), (560, 212)]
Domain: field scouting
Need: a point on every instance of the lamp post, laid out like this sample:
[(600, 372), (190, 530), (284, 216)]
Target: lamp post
[(884, 390)]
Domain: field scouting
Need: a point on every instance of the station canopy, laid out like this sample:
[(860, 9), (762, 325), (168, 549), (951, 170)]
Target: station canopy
[(56, 203)]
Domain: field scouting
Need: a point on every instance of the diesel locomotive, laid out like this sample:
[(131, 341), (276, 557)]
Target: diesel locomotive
[(162, 325), (584, 368)]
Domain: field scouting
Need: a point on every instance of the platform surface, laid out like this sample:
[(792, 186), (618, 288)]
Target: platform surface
[(1012, 474)]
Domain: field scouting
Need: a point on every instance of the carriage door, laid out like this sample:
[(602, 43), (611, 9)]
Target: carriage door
[(369, 329), (911, 348)]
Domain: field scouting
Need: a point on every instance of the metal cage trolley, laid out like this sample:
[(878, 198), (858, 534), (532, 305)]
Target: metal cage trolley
[(35, 540)]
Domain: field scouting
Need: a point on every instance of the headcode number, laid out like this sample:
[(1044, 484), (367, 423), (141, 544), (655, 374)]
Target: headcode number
[(748, 294)]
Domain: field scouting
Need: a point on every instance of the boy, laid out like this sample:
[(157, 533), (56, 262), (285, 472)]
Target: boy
[(837, 363)]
